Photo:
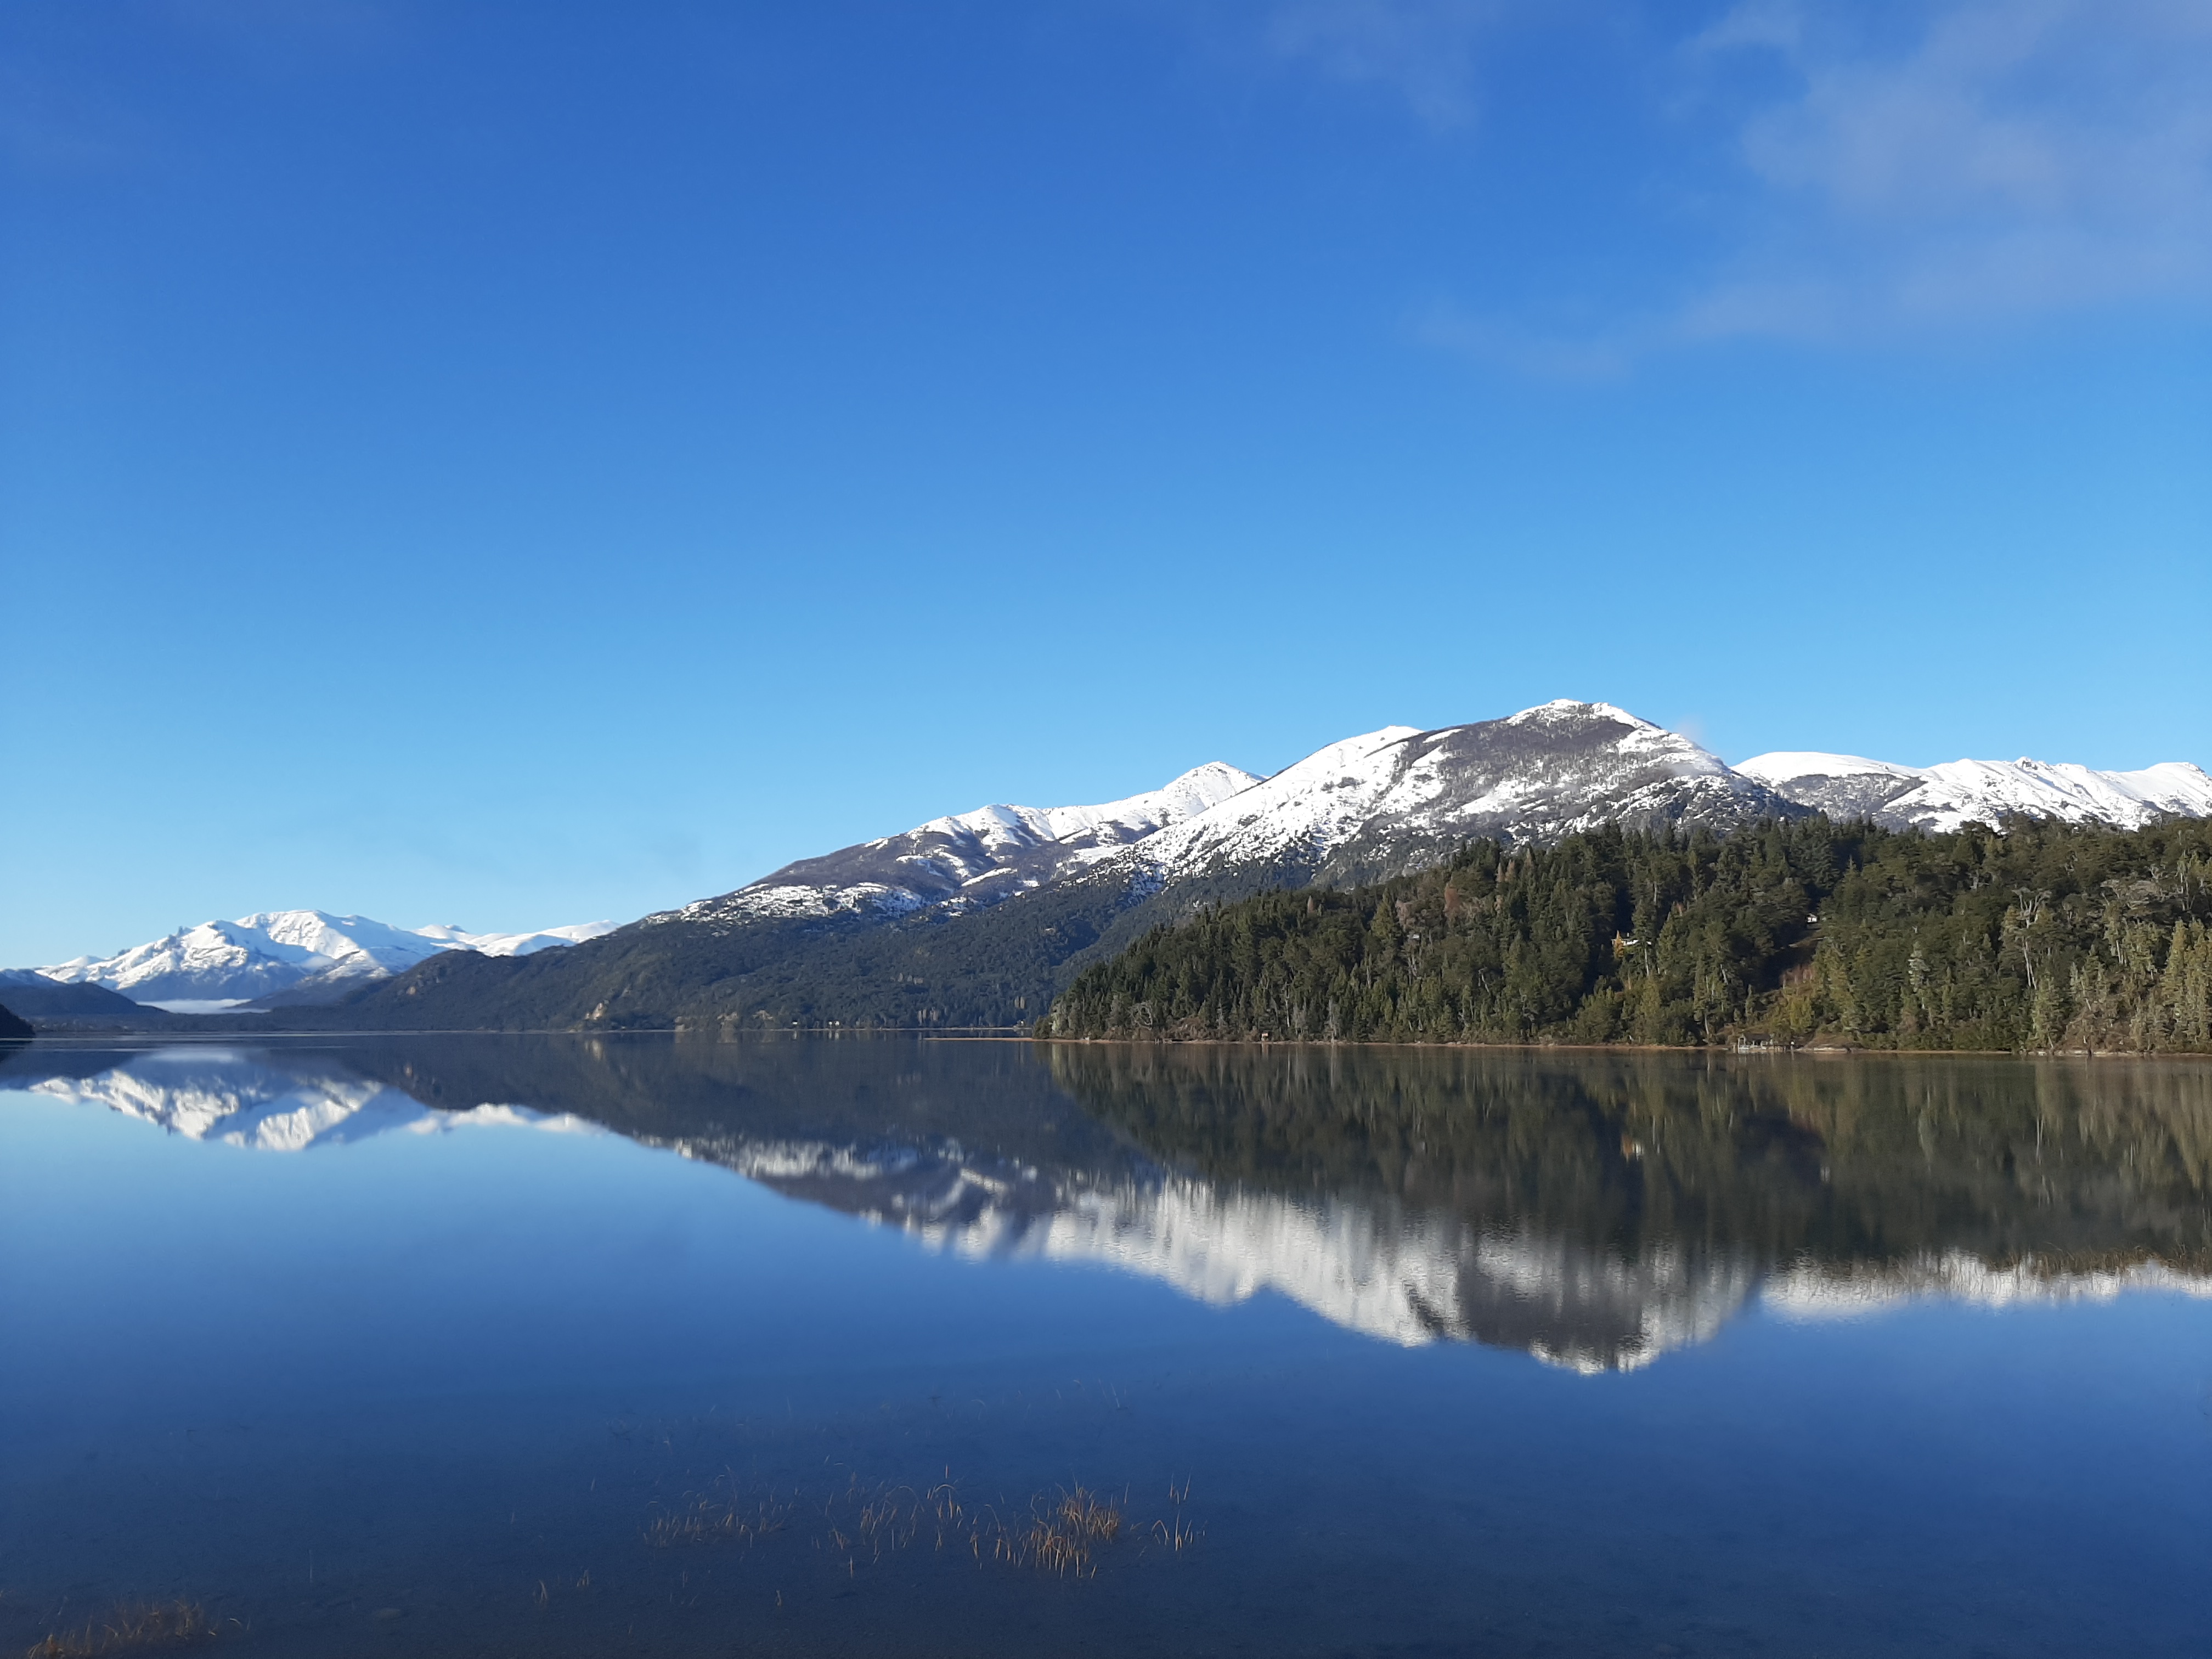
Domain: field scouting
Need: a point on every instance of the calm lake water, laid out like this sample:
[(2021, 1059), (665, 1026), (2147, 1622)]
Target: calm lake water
[(550, 1346)]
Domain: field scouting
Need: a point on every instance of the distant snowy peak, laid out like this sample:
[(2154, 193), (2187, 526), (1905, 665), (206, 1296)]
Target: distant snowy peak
[(1939, 797), (1394, 799), (297, 954), (515, 945), (970, 859)]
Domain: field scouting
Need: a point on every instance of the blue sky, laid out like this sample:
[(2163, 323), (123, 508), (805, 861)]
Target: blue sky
[(517, 464)]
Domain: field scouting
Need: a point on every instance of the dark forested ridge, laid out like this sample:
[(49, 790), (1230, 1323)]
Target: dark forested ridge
[(2038, 936), (996, 968)]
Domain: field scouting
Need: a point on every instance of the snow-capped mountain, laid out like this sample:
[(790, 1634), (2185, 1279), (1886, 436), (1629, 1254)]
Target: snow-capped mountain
[(297, 956), (979, 918), (1939, 797), (971, 859), (1050, 887), (1368, 806), (1389, 801), (1392, 800)]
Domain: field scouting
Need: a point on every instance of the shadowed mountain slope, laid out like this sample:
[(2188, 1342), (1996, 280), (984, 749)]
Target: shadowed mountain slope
[(978, 921)]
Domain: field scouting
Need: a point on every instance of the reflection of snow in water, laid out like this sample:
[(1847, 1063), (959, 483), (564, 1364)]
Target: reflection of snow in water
[(213, 1094), (1367, 1264), (1817, 1290), (1364, 1262)]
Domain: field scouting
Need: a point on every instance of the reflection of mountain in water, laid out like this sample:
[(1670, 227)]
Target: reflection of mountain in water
[(1378, 1267), (1593, 1210), (270, 1102), (1600, 1208)]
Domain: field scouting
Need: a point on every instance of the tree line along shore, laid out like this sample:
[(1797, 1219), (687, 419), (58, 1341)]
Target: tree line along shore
[(2027, 936)]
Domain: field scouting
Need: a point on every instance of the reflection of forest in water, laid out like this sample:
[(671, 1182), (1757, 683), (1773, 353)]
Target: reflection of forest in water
[(2078, 1166), (1596, 1209), (1600, 1207)]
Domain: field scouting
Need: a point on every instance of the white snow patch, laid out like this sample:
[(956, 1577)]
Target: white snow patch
[(1945, 796), (219, 964), (1821, 1291)]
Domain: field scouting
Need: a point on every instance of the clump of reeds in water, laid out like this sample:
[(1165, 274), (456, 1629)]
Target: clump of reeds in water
[(1064, 1534), (135, 1627), (703, 1520), (1177, 1534)]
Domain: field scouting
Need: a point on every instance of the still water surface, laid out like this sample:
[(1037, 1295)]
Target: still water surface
[(544, 1346)]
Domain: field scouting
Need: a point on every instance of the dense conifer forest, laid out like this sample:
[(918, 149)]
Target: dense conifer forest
[(2030, 936)]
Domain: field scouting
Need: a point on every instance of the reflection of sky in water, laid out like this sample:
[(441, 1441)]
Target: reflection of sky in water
[(430, 1319), (1365, 1261)]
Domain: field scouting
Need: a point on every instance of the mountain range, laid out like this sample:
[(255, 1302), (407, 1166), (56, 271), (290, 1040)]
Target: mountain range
[(1387, 801), (276, 958), (1940, 798), (978, 918)]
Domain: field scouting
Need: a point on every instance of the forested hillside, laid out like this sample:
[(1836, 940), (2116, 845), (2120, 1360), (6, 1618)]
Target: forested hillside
[(992, 968), (2035, 936)]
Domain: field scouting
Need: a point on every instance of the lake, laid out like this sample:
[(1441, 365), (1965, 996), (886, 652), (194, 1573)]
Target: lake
[(553, 1346)]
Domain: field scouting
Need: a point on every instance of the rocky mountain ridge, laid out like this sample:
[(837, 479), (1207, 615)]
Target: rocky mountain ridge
[(979, 918), (1387, 801), (274, 958), (970, 859), (1956, 792)]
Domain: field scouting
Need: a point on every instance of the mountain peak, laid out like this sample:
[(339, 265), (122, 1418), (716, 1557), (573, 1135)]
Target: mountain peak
[(1391, 801), (1573, 708), (297, 955)]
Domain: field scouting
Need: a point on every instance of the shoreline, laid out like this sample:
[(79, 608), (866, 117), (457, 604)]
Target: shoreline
[(997, 1034)]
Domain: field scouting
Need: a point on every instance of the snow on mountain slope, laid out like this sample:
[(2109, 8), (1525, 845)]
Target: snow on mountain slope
[(1390, 800), (516, 944), (301, 954), (1939, 797), (970, 859), (1385, 802)]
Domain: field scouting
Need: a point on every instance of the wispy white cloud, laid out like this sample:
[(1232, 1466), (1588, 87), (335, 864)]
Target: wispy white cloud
[(2001, 160), (1449, 326), (1424, 51), (1883, 172)]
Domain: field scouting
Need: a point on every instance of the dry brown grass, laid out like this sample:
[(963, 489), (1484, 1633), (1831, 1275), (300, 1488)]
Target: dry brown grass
[(703, 1520), (1177, 1534), (132, 1628), (1064, 1534)]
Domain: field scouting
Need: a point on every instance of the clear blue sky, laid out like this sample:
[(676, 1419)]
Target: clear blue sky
[(515, 464)]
